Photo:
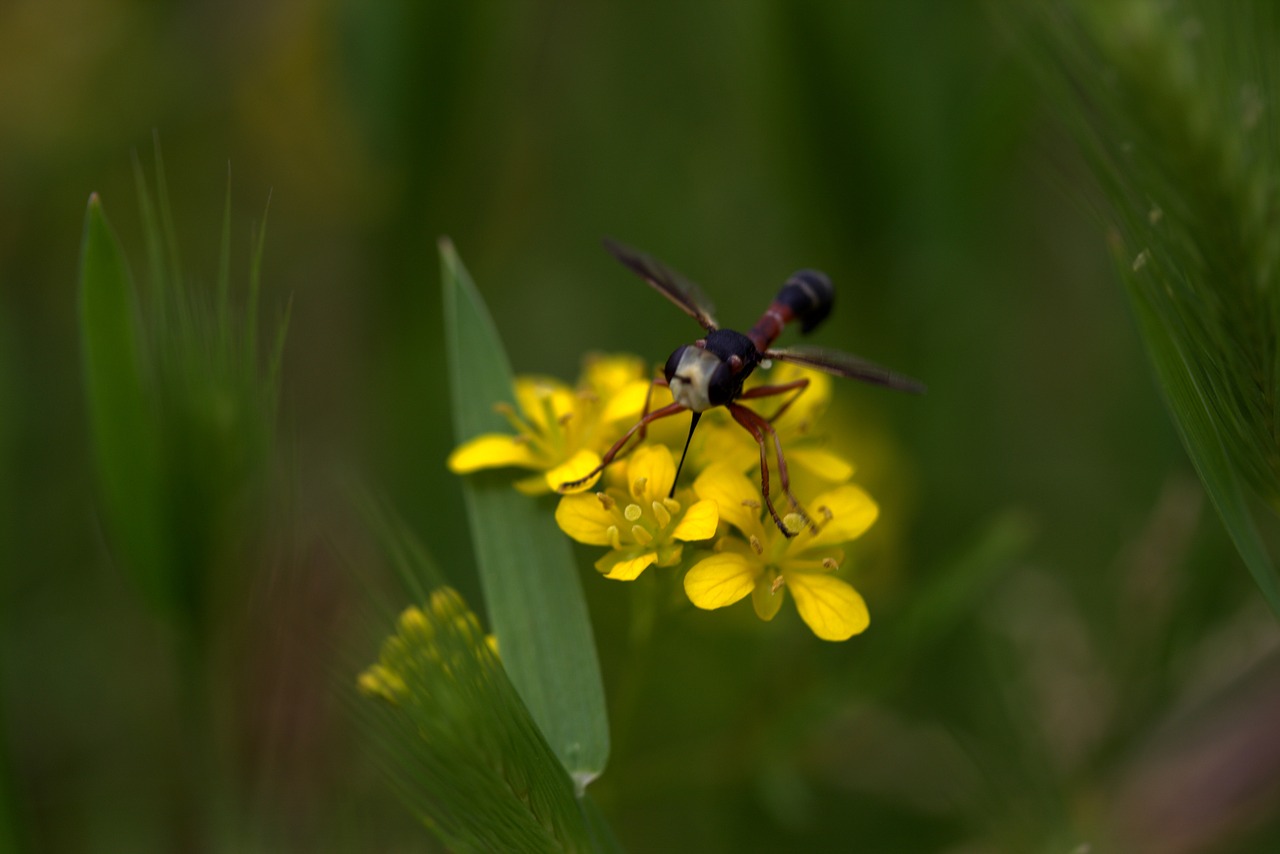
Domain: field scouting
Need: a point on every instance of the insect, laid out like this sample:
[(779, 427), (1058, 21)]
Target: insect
[(711, 371)]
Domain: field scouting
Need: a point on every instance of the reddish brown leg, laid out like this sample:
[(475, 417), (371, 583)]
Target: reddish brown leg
[(749, 422), (643, 424), (609, 455), (783, 475), (798, 386)]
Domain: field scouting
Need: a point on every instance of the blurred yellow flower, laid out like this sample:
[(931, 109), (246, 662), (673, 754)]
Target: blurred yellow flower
[(560, 431), (766, 563), (640, 524), (426, 640)]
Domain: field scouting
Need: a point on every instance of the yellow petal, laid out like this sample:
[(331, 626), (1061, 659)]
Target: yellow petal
[(737, 497), (767, 597), (823, 463), (534, 486), (699, 522), (584, 518), (720, 580), (724, 443), (536, 394), (577, 466), (491, 450), (622, 567), (842, 514), (626, 403), (831, 607), (652, 469), (607, 373), (811, 403)]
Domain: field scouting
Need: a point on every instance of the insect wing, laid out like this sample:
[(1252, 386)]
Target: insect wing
[(846, 365), (667, 282)]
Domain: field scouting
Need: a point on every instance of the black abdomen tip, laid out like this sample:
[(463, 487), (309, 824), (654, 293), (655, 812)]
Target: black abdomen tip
[(810, 295)]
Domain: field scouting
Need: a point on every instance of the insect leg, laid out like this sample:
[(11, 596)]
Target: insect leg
[(612, 453), (648, 398), (798, 386), (783, 474), (744, 417)]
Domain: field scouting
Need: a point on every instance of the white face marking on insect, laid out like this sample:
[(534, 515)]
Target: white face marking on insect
[(689, 384)]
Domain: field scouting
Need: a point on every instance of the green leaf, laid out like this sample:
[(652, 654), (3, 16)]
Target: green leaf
[(121, 414), (223, 302), (530, 580)]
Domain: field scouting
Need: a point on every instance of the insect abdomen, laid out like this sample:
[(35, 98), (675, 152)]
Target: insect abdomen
[(807, 297)]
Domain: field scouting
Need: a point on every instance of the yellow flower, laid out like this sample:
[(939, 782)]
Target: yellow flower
[(767, 563), (428, 641), (640, 524), (560, 432), (722, 440)]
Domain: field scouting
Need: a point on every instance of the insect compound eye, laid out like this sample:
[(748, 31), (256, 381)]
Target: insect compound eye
[(720, 388), (673, 363)]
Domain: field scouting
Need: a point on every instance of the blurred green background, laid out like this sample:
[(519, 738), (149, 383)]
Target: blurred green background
[(1064, 647)]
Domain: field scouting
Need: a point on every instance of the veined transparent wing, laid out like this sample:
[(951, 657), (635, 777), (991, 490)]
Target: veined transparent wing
[(845, 365), (667, 282)]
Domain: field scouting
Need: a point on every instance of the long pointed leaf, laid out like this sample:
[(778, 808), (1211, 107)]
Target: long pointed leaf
[(121, 418), (1199, 432), (530, 580)]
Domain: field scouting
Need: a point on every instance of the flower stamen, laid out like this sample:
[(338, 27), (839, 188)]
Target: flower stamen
[(756, 545), (663, 517), (606, 501), (642, 536), (508, 411), (547, 399), (525, 433)]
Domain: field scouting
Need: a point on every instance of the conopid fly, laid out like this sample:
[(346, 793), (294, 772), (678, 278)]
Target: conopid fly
[(711, 371)]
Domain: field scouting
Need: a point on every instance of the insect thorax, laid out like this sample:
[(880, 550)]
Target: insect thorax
[(701, 375)]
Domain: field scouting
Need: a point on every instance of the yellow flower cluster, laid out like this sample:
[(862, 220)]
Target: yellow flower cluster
[(429, 642), (562, 434)]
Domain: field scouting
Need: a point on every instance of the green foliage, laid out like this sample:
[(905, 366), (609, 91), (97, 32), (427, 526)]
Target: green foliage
[(122, 411), (1171, 101), (451, 732), (1017, 694), (181, 413), (530, 580)]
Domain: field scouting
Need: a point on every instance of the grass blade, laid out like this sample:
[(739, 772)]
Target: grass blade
[(121, 416), (1175, 129), (449, 730), (224, 270), (255, 279), (530, 580), (1196, 426)]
